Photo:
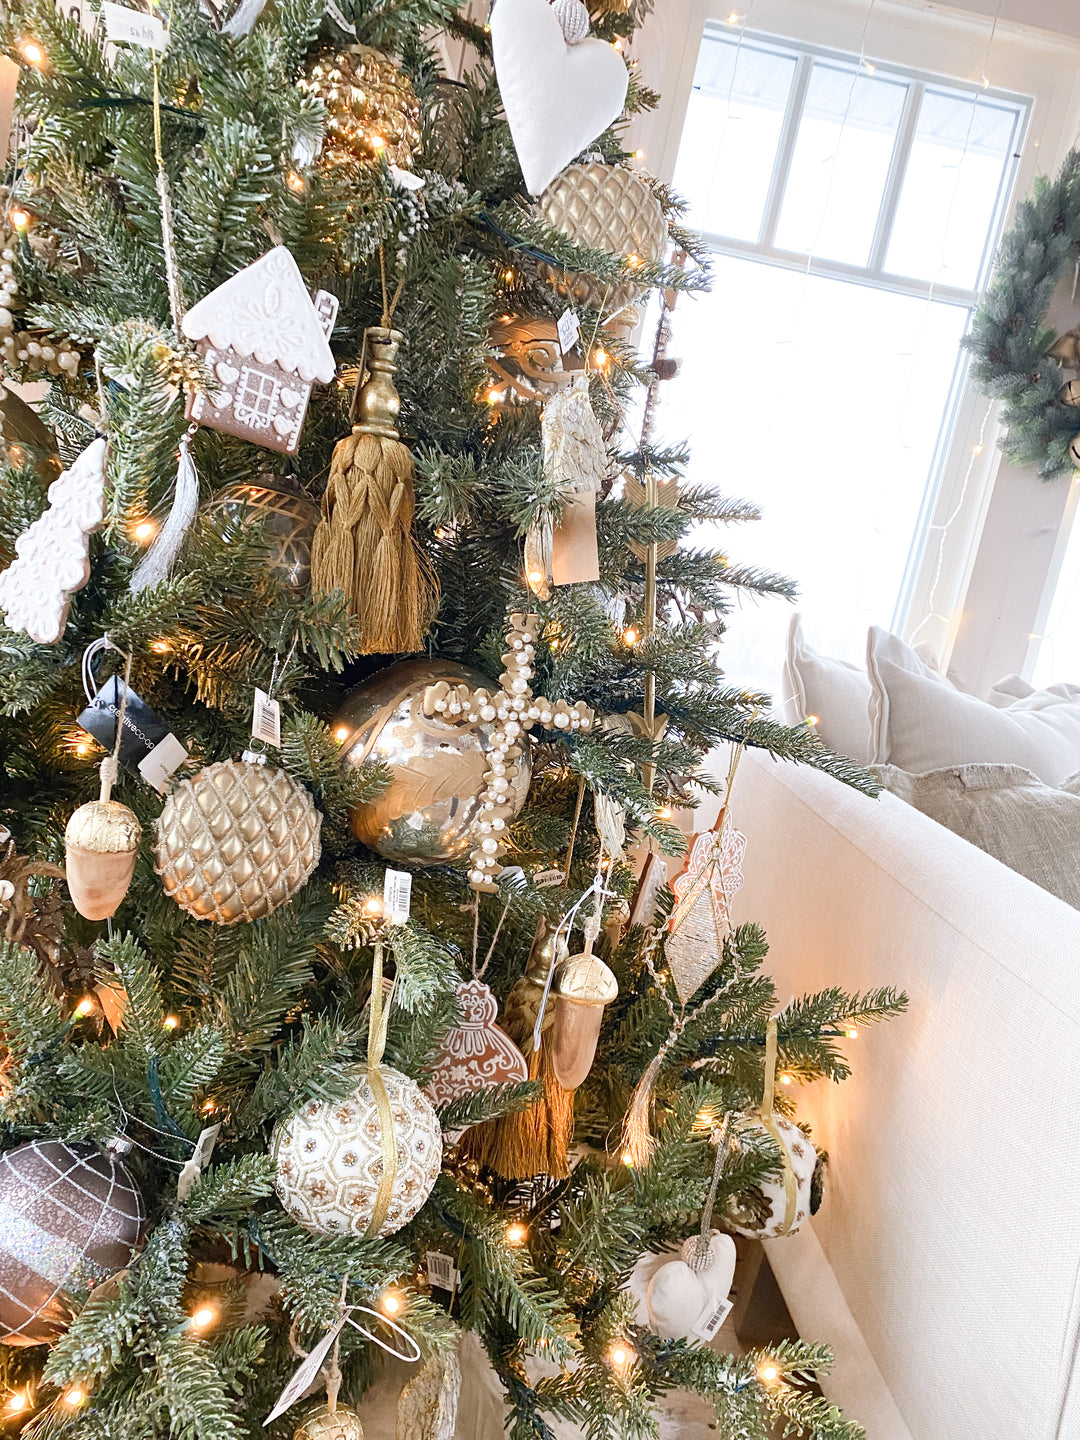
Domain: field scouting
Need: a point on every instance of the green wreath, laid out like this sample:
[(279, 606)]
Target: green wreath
[(1019, 359)]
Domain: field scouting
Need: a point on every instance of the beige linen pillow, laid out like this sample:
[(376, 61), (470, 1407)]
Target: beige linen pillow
[(919, 722), (837, 692), (1006, 811)]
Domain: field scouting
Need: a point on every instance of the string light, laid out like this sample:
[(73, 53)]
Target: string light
[(516, 1233), (639, 154), (665, 812), (768, 1374), (160, 647), (813, 719), (734, 18), (84, 1007), (75, 1396), (341, 734), (600, 359), (630, 636), (296, 182), (170, 1022), (377, 142), (390, 1302), (144, 530), (852, 1034), (82, 748), (373, 905), (204, 1317), (20, 219), (785, 1079), (628, 1159), (620, 1355), (618, 44), (976, 450), (16, 1402), (634, 261), (32, 52), (870, 69), (535, 576), (209, 1106), (508, 276)]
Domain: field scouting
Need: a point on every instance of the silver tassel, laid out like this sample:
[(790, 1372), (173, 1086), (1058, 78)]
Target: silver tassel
[(159, 559)]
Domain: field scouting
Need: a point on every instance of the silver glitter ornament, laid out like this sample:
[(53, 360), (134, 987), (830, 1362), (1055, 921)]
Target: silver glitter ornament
[(574, 18), (69, 1216)]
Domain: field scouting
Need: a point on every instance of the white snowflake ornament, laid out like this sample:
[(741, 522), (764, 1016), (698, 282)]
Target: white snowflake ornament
[(52, 556)]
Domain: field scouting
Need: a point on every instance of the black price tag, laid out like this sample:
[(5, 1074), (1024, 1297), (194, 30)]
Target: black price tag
[(148, 748)]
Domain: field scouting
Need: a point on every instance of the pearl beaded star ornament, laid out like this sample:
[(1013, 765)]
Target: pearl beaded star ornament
[(515, 709)]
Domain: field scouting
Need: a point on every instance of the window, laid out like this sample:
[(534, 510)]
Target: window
[(853, 210)]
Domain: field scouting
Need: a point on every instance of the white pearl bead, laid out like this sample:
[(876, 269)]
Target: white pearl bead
[(490, 847)]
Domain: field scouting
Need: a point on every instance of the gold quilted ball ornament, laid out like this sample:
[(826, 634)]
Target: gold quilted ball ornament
[(371, 107), (325, 1424), (236, 841), (100, 845), (330, 1157), (430, 811), (604, 207)]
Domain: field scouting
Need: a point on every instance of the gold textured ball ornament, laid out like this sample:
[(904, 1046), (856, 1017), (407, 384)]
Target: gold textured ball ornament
[(288, 519), (371, 107), (429, 812), (236, 841), (604, 207), (101, 842), (339, 1424), (329, 1157)]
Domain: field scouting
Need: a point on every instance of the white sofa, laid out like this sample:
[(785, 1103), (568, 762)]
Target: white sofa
[(944, 1265)]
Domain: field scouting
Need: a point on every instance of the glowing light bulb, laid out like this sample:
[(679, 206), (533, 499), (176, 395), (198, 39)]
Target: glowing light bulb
[(203, 1318), (618, 44), (639, 154), (600, 358), (75, 1396), (20, 219), (82, 748), (390, 1302), (377, 141), (341, 734), (171, 1022), (813, 720), (976, 450), (665, 812), (984, 81), (31, 52), (295, 181), (535, 576), (634, 261), (84, 1007), (630, 635), (628, 1159), (16, 1402), (769, 1374), (209, 1106), (870, 69), (852, 1034), (144, 530), (160, 647), (508, 276), (785, 1079), (516, 1233), (620, 1356), (734, 18), (372, 905)]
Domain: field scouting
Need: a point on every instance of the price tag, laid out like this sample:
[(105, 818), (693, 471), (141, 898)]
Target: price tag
[(305, 1375), (266, 719), (204, 1148), (713, 1316), (441, 1271), (397, 896), (157, 767), (569, 330), (545, 879), (133, 26)]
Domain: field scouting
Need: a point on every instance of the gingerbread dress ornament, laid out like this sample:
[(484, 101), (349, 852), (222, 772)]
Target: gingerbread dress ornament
[(475, 1053)]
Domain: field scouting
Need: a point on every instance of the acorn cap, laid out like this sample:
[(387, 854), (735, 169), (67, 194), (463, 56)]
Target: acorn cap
[(586, 980), (104, 827)]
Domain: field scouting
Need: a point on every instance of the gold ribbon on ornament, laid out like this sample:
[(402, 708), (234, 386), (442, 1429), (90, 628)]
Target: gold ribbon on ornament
[(378, 1021), (791, 1189)]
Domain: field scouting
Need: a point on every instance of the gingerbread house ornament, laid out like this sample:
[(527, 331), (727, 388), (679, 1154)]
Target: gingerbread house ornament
[(266, 342)]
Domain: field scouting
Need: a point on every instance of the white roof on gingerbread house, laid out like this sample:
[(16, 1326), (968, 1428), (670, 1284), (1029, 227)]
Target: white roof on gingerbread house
[(265, 311)]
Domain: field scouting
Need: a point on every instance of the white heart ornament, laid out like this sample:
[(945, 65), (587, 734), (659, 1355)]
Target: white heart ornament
[(679, 1296), (558, 98)]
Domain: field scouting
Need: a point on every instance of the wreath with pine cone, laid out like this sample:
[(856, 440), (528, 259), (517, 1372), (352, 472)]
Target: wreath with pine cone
[(1019, 359)]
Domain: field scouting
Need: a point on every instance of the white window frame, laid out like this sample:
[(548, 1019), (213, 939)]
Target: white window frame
[(993, 534)]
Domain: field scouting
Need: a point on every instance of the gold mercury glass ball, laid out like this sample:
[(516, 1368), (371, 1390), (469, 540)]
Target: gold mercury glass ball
[(288, 518), (371, 107), (341, 1424), (428, 813)]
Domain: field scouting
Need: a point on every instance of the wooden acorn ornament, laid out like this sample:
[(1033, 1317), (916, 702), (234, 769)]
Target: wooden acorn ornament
[(364, 543), (100, 844), (583, 986)]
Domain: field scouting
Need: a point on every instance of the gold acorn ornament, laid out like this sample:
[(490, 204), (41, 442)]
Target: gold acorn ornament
[(364, 543), (583, 986), (101, 839), (604, 207), (371, 107)]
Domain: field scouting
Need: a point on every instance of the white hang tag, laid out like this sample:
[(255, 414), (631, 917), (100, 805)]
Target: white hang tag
[(545, 879), (266, 719), (712, 1317), (334, 11), (134, 26), (157, 767), (405, 179), (397, 896), (441, 1271), (569, 330), (204, 1148), (307, 1372)]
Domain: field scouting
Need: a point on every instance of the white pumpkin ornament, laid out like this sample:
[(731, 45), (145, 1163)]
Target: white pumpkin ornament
[(558, 97)]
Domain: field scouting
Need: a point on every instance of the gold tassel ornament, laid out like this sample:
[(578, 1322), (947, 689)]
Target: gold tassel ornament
[(364, 543)]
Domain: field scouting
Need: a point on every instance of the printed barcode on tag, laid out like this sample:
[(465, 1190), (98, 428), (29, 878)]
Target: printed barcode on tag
[(569, 330), (397, 896), (441, 1271), (716, 1312), (545, 878), (266, 719)]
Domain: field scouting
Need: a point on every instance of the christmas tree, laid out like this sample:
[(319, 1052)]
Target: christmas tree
[(334, 368)]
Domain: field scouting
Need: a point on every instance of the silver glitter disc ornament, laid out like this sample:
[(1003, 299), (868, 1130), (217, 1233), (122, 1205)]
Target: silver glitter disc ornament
[(69, 1216)]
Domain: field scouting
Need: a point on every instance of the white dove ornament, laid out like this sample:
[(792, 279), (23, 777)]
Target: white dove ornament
[(558, 97), (683, 1301)]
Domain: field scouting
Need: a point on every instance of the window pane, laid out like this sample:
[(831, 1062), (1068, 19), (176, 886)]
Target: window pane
[(1059, 651), (840, 165), (733, 125), (950, 191), (836, 453)]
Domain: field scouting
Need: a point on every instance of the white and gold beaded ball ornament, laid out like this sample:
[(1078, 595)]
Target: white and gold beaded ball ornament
[(236, 841), (762, 1211), (329, 1158)]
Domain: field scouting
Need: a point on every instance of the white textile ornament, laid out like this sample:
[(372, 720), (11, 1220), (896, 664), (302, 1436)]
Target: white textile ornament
[(558, 97), (53, 554), (330, 1158), (683, 1295), (779, 1205)]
